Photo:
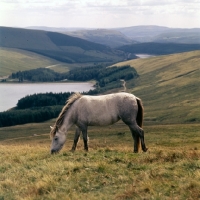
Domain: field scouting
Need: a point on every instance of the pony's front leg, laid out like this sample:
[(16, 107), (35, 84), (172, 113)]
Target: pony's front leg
[(76, 138)]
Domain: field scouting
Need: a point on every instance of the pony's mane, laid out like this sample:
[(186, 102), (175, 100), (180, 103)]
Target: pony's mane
[(60, 119)]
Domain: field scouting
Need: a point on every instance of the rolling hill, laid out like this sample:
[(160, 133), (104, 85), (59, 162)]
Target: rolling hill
[(108, 37), (142, 33), (13, 60), (169, 87), (112, 38), (179, 36), (153, 48), (116, 37), (162, 34), (57, 46)]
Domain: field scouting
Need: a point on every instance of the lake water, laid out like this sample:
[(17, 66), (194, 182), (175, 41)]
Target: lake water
[(10, 93), (144, 55)]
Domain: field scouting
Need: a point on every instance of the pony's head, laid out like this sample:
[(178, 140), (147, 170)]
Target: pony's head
[(58, 139)]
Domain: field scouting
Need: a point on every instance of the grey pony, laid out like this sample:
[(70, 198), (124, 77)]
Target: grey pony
[(85, 110)]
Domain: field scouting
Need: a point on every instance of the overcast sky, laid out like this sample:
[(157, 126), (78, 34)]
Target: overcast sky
[(100, 13)]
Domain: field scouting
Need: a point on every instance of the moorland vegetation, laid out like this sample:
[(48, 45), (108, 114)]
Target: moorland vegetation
[(110, 170)]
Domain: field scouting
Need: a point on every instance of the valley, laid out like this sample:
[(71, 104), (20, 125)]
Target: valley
[(168, 85)]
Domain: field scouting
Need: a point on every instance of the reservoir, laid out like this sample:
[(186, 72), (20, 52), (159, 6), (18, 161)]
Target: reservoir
[(10, 93), (144, 55)]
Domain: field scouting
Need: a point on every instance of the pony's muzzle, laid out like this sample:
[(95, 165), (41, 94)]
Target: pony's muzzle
[(53, 151)]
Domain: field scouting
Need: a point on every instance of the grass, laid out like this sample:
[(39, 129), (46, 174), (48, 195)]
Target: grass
[(169, 170)]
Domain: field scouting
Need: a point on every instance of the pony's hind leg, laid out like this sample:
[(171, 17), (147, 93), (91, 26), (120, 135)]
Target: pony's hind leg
[(76, 138), (85, 139), (138, 134)]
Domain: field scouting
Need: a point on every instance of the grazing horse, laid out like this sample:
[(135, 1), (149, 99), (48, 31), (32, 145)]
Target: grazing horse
[(84, 111)]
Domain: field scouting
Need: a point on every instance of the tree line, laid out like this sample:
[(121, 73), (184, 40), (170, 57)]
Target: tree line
[(32, 115), (42, 100), (38, 75), (100, 73)]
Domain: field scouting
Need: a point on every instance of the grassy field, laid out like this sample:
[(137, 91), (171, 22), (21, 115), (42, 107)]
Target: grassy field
[(169, 87), (169, 170)]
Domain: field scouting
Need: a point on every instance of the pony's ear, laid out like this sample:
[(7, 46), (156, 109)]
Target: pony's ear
[(51, 127)]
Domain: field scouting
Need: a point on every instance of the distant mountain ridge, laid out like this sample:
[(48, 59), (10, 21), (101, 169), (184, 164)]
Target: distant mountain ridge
[(58, 46), (115, 37), (162, 34), (112, 38), (155, 48)]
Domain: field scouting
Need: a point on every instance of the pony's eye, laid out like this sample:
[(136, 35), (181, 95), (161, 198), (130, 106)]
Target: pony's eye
[(55, 138)]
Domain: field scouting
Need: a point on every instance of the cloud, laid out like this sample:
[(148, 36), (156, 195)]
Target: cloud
[(113, 6), (100, 13)]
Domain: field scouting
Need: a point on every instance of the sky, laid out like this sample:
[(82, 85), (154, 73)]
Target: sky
[(100, 13)]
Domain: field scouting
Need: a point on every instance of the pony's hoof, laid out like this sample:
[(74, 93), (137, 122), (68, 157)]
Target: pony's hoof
[(145, 150), (135, 151)]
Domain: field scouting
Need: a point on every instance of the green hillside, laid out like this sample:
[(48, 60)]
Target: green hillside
[(13, 60), (58, 46), (169, 87)]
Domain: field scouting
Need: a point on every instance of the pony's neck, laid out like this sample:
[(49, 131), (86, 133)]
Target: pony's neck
[(67, 123)]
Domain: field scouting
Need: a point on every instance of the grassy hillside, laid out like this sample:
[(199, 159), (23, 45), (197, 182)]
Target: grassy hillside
[(169, 170), (57, 46), (13, 60), (169, 87)]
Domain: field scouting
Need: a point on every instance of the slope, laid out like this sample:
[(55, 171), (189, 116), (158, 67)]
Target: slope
[(112, 38), (158, 48), (169, 87), (58, 46), (13, 60)]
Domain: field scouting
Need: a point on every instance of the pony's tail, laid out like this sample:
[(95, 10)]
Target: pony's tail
[(139, 118)]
